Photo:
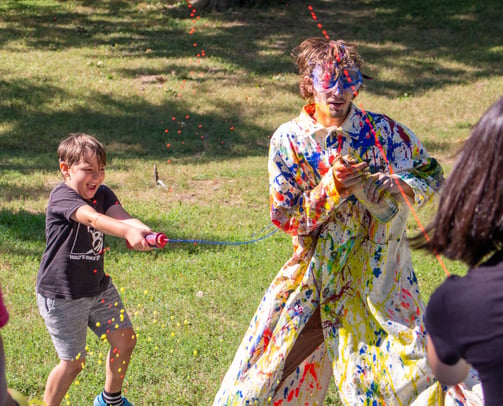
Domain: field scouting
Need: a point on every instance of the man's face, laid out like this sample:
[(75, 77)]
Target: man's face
[(333, 91)]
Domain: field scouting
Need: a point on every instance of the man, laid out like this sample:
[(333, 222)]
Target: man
[(347, 303)]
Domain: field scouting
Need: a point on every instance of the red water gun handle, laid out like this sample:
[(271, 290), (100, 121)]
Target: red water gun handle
[(155, 240)]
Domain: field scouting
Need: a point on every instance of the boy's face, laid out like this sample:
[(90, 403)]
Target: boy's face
[(84, 177)]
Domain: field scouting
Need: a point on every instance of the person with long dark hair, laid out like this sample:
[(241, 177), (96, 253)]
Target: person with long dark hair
[(464, 317)]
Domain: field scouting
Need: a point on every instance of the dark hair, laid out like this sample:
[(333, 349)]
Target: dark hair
[(468, 224), (80, 146), (320, 51)]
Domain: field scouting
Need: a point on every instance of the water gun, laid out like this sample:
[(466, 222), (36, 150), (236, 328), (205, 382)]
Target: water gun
[(155, 240)]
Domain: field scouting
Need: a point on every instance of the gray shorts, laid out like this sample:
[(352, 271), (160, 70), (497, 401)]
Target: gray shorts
[(67, 320)]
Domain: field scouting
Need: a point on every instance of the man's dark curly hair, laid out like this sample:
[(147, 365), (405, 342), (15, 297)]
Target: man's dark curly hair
[(316, 51)]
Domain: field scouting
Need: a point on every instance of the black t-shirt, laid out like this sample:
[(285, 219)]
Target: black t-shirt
[(72, 263), (464, 319)]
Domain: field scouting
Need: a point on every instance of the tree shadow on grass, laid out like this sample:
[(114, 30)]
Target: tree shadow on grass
[(129, 128), (29, 227), (22, 226), (455, 42)]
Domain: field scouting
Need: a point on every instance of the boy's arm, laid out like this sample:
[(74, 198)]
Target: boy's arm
[(134, 233), (117, 211)]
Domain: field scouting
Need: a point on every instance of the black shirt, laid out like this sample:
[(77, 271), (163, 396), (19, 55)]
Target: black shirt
[(464, 319), (72, 263)]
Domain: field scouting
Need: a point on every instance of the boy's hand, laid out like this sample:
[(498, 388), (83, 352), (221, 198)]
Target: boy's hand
[(135, 239)]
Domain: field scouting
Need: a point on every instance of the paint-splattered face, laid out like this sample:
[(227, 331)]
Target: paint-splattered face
[(327, 79), (333, 91)]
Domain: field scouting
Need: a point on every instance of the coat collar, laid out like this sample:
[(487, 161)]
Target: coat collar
[(318, 131)]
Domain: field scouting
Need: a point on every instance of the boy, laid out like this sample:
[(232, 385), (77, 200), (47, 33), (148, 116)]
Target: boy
[(73, 291)]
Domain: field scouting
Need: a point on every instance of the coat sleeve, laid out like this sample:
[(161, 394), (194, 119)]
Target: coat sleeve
[(414, 165), (301, 199)]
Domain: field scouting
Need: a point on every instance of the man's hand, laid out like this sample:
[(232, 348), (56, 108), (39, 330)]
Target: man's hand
[(347, 175), (379, 184)]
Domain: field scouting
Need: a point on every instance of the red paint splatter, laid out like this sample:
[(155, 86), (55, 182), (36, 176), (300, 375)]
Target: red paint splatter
[(267, 337), (319, 25)]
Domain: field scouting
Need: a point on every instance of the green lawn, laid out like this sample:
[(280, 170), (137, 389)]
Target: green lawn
[(198, 95)]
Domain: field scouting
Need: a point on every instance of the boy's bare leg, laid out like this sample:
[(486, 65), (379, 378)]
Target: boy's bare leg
[(122, 343), (60, 379)]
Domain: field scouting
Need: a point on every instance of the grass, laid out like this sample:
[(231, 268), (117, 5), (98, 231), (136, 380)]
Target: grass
[(200, 106)]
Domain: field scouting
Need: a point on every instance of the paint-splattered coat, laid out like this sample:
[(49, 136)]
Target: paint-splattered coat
[(355, 267)]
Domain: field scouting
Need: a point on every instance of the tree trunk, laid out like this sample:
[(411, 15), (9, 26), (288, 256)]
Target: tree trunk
[(217, 5), (222, 5)]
